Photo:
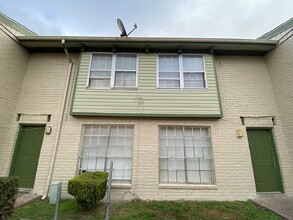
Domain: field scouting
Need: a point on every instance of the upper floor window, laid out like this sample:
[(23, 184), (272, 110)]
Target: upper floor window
[(113, 70), (181, 71)]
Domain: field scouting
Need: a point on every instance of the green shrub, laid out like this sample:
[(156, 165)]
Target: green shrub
[(8, 191), (88, 188)]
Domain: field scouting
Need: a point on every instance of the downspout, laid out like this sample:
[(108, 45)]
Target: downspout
[(60, 120)]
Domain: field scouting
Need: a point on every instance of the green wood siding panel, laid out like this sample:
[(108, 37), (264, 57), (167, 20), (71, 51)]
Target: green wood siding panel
[(155, 101)]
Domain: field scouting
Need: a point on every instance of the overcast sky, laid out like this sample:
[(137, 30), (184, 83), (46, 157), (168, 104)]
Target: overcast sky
[(155, 18)]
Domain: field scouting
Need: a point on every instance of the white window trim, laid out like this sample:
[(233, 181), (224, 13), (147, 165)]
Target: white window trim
[(113, 70), (186, 185), (136, 71), (89, 71), (119, 184), (112, 80), (181, 72)]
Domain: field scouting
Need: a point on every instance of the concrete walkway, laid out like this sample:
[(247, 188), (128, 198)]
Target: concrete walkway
[(278, 203), (23, 199)]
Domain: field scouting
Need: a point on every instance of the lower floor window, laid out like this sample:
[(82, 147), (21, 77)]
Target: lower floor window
[(185, 155), (101, 144)]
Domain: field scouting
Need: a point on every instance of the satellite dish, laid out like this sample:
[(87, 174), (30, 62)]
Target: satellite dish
[(123, 30)]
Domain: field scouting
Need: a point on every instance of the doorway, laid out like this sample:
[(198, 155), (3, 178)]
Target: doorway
[(26, 154), (264, 160)]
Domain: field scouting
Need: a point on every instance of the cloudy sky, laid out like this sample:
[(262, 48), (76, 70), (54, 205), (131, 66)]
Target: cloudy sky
[(156, 18)]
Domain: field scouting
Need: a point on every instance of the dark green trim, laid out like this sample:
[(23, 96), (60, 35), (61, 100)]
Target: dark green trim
[(15, 25), (275, 154), (277, 161), (75, 83), (217, 83), (15, 150), (279, 29), (147, 115)]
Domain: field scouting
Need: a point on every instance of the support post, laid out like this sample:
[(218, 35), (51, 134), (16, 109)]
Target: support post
[(57, 202), (109, 191)]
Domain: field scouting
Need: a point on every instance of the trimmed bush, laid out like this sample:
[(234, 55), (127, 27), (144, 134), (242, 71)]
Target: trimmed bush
[(8, 191), (88, 188)]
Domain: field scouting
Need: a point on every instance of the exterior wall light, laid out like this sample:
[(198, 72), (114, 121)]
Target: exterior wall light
[(48, 130), (239, 133)]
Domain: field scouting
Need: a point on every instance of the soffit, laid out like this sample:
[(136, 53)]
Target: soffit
[(219, 46)]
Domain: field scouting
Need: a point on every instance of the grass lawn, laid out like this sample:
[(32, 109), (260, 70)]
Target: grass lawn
[(68, 209)]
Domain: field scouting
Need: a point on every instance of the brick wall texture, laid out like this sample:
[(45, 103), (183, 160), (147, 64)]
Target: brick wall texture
[(246, 90), (13, 63), (280, 67)]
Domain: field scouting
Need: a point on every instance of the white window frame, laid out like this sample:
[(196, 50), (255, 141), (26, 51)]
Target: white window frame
[(113, 71), (106, 168), (186, 158), (181, 72)]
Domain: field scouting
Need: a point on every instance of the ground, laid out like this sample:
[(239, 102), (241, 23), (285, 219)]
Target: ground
[(168, 210)]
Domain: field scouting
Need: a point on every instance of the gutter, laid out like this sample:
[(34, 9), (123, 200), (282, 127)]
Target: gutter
[(60, 120), (145, 40)]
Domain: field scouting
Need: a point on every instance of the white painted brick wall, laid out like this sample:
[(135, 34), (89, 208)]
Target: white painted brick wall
[(13, 62), (280, 67), (41, 95), (245, 89)]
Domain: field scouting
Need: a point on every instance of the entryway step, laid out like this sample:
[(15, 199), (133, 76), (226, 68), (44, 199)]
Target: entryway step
[(23, 199), (276, 202)]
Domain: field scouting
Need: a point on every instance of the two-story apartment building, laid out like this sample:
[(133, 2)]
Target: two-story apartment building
[(181, 118)]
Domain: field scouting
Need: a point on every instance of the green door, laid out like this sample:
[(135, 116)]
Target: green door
[(26, 155), (264, 161)]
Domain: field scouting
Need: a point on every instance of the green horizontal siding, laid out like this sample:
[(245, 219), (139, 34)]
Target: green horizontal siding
[(156, 102)]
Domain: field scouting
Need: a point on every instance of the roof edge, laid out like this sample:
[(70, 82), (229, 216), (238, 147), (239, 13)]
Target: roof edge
[(15, 25), (147, 40), (147, 44), (277, 30)]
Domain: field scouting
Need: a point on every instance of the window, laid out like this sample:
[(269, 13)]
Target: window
[(185, 155), (125, 71), (101, 144), (103, 74), (181, 71), (100, 71), (169, 73), (193, 71)]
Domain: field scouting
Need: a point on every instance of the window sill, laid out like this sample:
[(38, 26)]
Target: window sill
[(123, 88), (121, 185), (184, 89), (188, 186), (114, 88)]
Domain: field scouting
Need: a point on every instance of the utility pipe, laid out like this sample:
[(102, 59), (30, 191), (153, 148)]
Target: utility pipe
[(60, 120), (66, 51)]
